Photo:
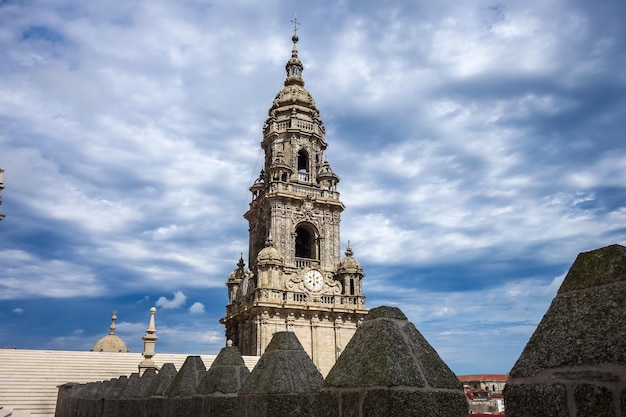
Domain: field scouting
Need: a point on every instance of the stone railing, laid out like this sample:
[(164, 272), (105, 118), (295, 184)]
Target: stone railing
[(295, 188), (306, 262), (293, 123), (304, 190), (298, 189), (300, 298), (303, 176)]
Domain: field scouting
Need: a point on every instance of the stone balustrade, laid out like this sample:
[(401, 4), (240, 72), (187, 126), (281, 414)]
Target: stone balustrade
[(276, 187), (300, 298), (293, 123), (306, 262)]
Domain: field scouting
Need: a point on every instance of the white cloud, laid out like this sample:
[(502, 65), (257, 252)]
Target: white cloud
[(197, 308), (498, 319), (132, 329), (26, 275), (17, 310), (73, 341), (177, 301), (463, 133)]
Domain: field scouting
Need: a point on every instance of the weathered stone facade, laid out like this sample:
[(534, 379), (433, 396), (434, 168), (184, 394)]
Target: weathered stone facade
[(387, 369), (575, 362), (296, 280)]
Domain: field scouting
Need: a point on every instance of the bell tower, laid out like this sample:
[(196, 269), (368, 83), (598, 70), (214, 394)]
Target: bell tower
[(296, 279)]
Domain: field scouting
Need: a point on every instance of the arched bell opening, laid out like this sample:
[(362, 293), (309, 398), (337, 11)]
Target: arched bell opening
[(258, 243), (303, 165), (306, 245)]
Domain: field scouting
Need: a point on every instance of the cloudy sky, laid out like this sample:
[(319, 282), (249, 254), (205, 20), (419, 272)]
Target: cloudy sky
[(481, 146)]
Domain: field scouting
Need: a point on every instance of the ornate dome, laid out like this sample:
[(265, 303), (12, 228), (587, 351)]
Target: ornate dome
[(294, 101), (269, 255), (237, 274), (291, 95), (326, 172), (110, 342), (349, 265)]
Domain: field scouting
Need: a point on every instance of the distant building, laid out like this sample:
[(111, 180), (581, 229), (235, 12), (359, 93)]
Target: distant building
[(493, 383), (484, 393), (296, 279)]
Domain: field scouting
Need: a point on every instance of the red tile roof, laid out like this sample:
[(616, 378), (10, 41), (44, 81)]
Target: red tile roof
[(483, 377)]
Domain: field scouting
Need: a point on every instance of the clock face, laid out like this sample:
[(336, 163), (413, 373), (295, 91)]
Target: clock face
[(313, 280)]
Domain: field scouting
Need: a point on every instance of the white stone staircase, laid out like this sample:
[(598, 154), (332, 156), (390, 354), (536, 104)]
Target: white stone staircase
[(29, 378)]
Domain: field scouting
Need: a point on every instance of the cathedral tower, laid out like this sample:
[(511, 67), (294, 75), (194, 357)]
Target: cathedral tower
[(296, 280)]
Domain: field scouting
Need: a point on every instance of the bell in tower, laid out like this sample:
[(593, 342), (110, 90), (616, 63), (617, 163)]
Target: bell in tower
[(295, 280)]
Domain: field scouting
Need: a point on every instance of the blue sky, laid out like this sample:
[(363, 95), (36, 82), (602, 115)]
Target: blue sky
[(481, 146)]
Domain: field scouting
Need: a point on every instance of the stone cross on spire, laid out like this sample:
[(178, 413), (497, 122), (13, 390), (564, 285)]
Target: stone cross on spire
[(295, 25)]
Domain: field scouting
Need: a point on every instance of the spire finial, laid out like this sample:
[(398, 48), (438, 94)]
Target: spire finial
[(151, 329), (112, 326), (349, 252), (294, 66), (295, 27), (149, 340)]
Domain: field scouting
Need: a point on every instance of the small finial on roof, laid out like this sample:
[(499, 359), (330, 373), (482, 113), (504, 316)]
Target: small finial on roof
[(349, 252), (151, 329), (112, 326), (229, 343), (149, 340)]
